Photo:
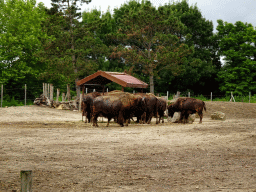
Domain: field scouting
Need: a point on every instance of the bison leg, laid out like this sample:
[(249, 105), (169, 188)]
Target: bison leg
[(89, 117), (108, 121), (163, 119), (149, 118), (120, 119), (186, 118), (182, 114), (143, 118), (157, 121), (201, 116), (127, 122), (138, 119), (95, 120)]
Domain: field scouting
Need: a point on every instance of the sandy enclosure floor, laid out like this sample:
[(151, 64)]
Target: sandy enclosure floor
[(65, 154)]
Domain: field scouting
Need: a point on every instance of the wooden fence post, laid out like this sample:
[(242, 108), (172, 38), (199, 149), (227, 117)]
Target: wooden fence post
[(43, 89), (232, 97), (51, 92), (68, 92), (2, 94), (188, 94), (63, 96), (78, 92), (48, 90), (58, 94), (25, 94), (249, 97), (26, 181), (80, 102), (86, 91), (167, 95)]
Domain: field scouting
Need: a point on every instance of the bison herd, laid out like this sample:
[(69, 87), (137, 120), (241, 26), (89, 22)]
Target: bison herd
[(123, 106)]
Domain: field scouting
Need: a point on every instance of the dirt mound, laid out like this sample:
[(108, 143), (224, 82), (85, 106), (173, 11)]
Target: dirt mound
[(231, 109)]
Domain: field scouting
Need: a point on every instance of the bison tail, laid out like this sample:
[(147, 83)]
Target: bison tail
[(204, 106)]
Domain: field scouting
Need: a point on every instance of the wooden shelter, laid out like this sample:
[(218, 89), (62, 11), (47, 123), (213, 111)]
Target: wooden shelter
[(104, 77)]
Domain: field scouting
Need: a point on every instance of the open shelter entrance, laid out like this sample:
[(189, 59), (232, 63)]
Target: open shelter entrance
[(101, 78)]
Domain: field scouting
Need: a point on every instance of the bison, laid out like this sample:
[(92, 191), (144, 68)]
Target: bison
[(87, 104), (151, 106), (133, 105), (162, 106), (109, 107), (187, 106)]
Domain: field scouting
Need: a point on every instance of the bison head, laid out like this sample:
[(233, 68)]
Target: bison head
[(171, 110)]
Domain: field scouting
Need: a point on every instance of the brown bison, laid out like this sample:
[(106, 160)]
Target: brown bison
[(109, 107), (187, 106), (151, 106), (133, 105), (162, 106), (87, 104)]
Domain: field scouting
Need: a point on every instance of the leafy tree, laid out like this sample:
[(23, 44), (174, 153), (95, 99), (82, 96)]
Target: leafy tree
[(199, 69), (237, 45), (69, 25), (149, 41), (20, 35)]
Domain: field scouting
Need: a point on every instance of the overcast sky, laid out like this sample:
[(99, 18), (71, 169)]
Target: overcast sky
[(227, 10)]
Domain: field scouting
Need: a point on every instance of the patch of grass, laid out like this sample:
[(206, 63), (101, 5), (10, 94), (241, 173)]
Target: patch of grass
[(8, 102)]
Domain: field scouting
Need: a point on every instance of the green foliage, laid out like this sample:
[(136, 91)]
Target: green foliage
[(149, 40), (20, 39), (7, 101), (76, 50), (237, 44), (199, 68), (171, 47)]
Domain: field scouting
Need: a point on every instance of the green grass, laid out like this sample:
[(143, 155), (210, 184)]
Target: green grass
[(12, 102)]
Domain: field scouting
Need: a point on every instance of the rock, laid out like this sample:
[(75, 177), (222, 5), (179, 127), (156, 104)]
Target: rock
[(191, 118), (64, 107), (218, 116), (176, 118)]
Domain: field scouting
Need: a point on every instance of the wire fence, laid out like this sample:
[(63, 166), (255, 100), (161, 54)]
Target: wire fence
[(27, 95)]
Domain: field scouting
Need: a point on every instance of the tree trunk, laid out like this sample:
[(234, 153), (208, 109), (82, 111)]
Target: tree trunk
[(151, 80)]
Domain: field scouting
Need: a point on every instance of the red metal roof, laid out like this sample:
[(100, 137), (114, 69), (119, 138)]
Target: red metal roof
[(105, 77)]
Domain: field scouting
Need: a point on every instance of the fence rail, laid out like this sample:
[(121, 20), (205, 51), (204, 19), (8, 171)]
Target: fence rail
[(66, 94)]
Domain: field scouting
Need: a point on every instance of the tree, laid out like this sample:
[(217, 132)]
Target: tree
[(70, 10), (237, 45), (149, 41), (20, 37), (200, 68)]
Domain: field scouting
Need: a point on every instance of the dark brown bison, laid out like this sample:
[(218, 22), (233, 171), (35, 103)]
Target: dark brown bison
[(187, 106), (133, 105), (151, 106), (162, 106), (87, 104), (109, 107)]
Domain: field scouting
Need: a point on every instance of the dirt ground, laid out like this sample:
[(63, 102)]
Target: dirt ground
[(65, 154)]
